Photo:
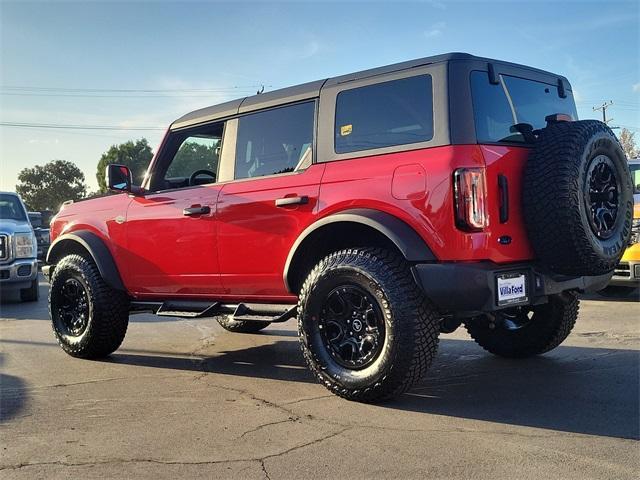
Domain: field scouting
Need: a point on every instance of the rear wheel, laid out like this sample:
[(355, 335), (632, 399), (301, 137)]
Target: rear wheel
[(241, 326), (89, 318), (521, 332), (366, 331)]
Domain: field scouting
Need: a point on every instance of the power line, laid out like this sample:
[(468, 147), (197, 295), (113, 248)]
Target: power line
[(80, 95), (131, 90), (76, 127)]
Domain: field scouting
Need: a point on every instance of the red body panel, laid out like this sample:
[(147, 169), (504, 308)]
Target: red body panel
[(98, 216), (367, 183), (255, 236), (238, 250), (168, 253)]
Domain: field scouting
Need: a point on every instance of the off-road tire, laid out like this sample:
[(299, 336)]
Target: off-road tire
[(108, 310), (411, 324), (550, 325), (555, 192), (31, 294), (241, 326)]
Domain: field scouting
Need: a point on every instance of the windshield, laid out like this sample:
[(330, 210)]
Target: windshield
[(11, 208), (635, 176), (36, 219), (497, 108)]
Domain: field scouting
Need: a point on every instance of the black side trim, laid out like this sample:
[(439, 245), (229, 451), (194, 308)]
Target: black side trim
[(503, 185), (410, 244), (96, 248)]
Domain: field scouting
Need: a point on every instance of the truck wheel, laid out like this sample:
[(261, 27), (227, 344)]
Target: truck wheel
[(89, 318), (367, 331), (32, 293), (241, 326), (578, 198), (521, 332)]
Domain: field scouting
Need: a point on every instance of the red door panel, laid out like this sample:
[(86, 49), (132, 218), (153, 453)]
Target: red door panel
[(168, 252), (255, 235)]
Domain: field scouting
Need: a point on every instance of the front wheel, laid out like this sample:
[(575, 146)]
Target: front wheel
[(89, 318), (521, 332), (367, 332)]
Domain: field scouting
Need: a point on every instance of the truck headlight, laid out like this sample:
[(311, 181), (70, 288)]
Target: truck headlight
[(25, 245)]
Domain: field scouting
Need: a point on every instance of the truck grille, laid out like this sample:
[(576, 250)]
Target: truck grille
[(4, 247), (622, 270)]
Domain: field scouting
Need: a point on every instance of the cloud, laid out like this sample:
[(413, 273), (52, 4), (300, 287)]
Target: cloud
[(636, 87), (303, 51), (435, 30)]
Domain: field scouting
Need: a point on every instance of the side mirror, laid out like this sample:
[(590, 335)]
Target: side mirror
[(120, 179)]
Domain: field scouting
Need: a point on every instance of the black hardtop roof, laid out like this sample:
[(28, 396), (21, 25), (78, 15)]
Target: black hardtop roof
[(312, 89)]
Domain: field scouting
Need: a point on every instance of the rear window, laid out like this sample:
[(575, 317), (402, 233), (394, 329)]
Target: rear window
[(497, 108), (386, 114)]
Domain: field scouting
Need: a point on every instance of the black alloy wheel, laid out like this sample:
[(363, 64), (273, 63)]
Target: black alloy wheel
[(352, 326), (71, 308), (602, 188)]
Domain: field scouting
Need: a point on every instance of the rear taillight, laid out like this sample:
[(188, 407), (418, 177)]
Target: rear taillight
[(470, 194)]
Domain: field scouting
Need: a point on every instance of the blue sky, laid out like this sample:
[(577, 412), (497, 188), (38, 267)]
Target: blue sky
[(229, 48)]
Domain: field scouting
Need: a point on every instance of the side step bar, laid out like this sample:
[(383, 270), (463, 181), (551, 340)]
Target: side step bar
[(248, 312)]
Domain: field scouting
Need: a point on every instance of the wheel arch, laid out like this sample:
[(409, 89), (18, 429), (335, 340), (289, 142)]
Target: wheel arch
[(86, 243), (350, 228)]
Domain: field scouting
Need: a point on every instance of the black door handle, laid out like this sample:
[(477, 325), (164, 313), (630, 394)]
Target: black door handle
[(283, 202), (196, 210)]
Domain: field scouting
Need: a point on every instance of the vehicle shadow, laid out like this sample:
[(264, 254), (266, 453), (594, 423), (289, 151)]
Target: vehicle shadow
[(12, 395), (630, 296), (572, 389), (12, 308)]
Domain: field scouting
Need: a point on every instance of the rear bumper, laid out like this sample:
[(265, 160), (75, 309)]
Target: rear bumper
[(465, 289), (19, 273)]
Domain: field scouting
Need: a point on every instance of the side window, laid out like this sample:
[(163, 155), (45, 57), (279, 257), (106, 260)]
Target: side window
[(275, 141), (391, 113), (195, 150)]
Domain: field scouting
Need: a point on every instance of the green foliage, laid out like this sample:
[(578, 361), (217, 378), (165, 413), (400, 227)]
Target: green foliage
[(193, 156), (136, 156), (46, 187)]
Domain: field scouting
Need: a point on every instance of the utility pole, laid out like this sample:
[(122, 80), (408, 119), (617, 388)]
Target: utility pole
[(604, 107)]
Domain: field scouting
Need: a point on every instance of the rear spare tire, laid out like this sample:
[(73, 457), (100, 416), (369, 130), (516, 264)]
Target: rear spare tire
[(578, 198)]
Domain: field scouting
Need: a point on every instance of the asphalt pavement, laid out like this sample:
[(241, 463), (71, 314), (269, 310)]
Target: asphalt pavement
[(184, 398)]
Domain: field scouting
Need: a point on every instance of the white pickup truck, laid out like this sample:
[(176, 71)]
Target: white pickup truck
[(18, 249)]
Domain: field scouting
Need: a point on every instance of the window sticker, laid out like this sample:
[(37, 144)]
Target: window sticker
[(346, 130)]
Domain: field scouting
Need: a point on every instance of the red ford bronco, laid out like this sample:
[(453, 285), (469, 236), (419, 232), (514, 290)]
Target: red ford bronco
[(379, 208)]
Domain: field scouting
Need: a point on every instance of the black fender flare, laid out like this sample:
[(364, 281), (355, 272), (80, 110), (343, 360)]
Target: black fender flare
[(99, 252), (404, 237)]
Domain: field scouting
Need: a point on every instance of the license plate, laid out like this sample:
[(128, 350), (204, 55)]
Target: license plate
[(512, 288)]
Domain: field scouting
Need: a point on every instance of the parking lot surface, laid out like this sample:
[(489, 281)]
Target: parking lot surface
[(184, 398)]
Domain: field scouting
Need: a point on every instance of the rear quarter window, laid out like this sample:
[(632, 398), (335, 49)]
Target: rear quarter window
[(397, 112)]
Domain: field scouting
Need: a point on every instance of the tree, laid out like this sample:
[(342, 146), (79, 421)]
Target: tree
[(46, 187), (193, 156), (628, 143), (136, 156)]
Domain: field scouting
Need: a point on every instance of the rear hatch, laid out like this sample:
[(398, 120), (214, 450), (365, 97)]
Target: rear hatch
[(506, 112)]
